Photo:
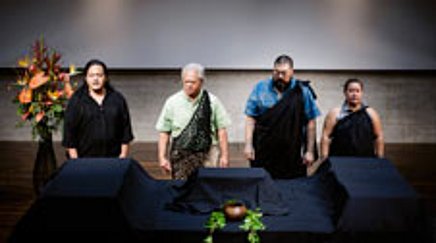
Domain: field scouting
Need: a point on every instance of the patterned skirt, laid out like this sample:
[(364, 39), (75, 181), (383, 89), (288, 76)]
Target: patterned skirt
[(184, 163)]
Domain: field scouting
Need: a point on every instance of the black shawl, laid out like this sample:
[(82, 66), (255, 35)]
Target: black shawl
[(279, 136), (353, 135)]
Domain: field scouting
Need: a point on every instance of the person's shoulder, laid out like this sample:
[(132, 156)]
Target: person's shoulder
[(174, 98), (78, 94), (118, 95), (332, 115), (307, 88), (334, 112), (372, 112), (213, 98), (215, 102), (304, 84), (263, 83)]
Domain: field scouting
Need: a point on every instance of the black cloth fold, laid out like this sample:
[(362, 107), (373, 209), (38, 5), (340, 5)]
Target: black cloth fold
[(210, 188), (278, 137)]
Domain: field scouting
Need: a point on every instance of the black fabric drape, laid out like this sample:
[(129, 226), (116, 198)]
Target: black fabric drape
[(353, 136), (189, 149), (278, 137), (115, 200)]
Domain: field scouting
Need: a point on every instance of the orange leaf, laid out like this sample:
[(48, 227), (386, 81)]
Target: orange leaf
[(68, 90), (25, 115), (65, 77), (39, 116), (38, 80), (25, 96)]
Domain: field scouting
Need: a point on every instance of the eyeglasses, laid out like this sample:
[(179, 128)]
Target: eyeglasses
[(280, 73)]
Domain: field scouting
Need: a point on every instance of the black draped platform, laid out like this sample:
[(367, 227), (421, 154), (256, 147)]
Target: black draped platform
[(349, 200)]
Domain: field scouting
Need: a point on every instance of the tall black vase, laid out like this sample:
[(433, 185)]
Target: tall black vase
[(45, 162)]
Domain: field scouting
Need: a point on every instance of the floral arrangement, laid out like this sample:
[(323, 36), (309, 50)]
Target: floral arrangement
[(43, 90)]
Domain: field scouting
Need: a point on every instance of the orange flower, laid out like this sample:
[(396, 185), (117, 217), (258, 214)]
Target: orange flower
[(39, 116), (25, 96), (43, 89), (38, 80)]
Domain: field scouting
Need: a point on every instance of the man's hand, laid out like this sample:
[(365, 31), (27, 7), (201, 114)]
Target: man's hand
[(249, 151), (165, 165), (308, 158), (224, 162), (72, 153), (311, 169)]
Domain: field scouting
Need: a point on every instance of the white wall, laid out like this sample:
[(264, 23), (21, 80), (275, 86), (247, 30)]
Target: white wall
[(241, 34)]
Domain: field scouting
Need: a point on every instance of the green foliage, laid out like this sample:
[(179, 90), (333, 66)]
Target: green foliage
[(216, 221), (252, 224)]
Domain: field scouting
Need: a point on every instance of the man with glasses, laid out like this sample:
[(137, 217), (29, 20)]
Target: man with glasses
[(280, 128)]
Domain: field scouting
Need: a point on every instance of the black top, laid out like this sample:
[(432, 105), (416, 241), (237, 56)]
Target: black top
[(353, 135), (94, 130)]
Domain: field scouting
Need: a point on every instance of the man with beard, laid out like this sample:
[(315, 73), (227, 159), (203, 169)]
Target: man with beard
[(353, 129), (280, 130), (196, 120), (97, 120)]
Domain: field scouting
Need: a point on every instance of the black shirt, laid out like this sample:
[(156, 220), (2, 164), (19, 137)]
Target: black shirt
[(97, 130)]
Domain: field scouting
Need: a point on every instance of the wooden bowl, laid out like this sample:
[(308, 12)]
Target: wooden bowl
[(235, 211)]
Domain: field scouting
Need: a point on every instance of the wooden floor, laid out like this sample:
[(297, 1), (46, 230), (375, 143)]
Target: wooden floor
[(416, 162)]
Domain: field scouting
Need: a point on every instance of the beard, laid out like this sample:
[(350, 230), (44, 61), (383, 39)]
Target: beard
[(281, 85)]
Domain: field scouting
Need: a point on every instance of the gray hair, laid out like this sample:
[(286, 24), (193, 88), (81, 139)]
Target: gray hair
[(194, 67)]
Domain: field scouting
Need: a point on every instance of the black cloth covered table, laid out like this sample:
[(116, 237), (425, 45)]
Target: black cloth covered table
[(117, 201), (380, 203)]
